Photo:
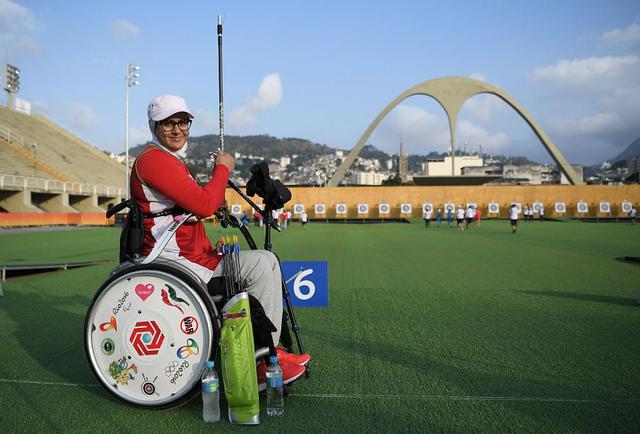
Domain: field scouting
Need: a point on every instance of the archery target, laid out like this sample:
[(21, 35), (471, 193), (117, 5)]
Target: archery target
[(405, 208), (626, 207), (518, 206), (319, 208), (341, 208), (363, 208), (298, 208), (236, 209), (427, 206), (605, 207), (582, 207), (560, 208), (383, 208), (449, 207), (537, 206), (472, 205), (494, 208)]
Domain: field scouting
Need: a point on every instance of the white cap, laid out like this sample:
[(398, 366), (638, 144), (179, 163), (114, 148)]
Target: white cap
[(166, 105)]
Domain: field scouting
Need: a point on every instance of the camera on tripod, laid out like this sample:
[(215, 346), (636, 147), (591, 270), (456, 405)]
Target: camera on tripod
[(272, 191)]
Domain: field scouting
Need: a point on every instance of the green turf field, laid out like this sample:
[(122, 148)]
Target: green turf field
[(435, 330)]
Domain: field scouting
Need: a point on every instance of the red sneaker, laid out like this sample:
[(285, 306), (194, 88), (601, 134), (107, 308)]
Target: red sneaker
[(295, 359), (290, 373)]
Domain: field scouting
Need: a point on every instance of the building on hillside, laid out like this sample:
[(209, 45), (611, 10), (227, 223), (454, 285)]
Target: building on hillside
[(529, 174), (443, 167), (481, 170), (285, 161), (367, 178)]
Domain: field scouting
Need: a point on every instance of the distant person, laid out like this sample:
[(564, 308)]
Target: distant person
[(632, 215), (449, 217), (525, 212), (513, 216), (541, 213), (469, 216), (304, 219), (438, 217), (245, 219), (165, 191), (478, 214), (284, 218), (275, 215), (426, 216), (460, 212), (257, 219)]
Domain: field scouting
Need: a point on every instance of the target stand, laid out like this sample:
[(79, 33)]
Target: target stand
[(148, 333)]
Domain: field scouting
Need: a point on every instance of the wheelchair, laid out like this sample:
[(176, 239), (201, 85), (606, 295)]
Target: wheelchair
[(153, 324), (149, 331)]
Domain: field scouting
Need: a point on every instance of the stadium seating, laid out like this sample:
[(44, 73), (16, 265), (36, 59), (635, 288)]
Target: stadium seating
[(69, 157)]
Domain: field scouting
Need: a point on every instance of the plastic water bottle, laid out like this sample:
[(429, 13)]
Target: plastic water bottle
[(210, 394), (275, 403)]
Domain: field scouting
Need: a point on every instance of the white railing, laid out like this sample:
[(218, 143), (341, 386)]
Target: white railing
[(11, 137), (17, 182)]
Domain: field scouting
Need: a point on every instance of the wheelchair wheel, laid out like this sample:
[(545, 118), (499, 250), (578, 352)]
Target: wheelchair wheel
[(148, 333)]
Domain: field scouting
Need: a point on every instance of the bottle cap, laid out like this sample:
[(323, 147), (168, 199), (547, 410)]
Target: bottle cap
[(209, 364), (273, 359)]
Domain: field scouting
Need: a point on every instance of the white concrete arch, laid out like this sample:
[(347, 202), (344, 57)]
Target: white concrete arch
[(451, 93)]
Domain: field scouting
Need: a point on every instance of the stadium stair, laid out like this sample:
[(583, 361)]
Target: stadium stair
[(24, 164)]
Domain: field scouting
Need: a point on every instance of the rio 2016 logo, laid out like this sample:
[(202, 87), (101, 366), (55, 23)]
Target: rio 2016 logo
[(147, 338)]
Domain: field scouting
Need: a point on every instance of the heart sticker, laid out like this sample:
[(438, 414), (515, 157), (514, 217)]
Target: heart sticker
[(144, 291)]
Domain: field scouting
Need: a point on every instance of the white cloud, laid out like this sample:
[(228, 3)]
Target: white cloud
[(268, 96), (476, 136), (82, 116), (39, 107), (15, 18), (205, 121), (139, 135), (478, 76), (483, 106), (17, 26), (629, 35), (123, 30), (589, 125), (423, 132), (592, 71), (597, 105)]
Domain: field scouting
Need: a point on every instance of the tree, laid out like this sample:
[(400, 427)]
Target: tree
[(393, 180)]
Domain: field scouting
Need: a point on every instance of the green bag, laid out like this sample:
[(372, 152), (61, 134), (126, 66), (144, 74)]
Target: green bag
[(238, 361)]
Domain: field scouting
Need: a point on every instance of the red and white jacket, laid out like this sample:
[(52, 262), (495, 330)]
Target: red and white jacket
[(161, 181)]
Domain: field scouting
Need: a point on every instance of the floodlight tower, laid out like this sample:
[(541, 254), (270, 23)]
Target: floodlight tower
[(131, 79), (11, 83)]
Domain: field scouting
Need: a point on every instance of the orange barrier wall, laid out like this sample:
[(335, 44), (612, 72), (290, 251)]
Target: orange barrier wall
[(438, 196), (54, 218)]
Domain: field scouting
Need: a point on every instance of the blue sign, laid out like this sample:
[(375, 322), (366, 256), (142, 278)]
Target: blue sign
[(307, 282)]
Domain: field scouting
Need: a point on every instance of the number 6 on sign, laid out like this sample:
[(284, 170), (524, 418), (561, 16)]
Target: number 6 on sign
[(307, 282), (298, 283)]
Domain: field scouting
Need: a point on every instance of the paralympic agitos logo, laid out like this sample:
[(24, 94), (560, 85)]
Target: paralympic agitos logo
[(147, 338)]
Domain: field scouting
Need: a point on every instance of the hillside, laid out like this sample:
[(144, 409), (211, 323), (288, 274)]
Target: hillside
[(633, 150)]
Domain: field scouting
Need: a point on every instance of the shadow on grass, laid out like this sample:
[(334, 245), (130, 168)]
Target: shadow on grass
[(51, 334), (475, 381), (607, 299)]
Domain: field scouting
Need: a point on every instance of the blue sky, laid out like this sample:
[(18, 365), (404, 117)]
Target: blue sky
[(323, 70)]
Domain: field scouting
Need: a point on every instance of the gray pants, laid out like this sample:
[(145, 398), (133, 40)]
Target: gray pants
[(262, 278)]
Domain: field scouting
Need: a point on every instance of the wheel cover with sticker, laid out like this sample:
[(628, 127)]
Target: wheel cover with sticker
[(148, 337)]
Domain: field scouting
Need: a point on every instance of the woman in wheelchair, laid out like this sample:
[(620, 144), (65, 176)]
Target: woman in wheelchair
[(163, 187)]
